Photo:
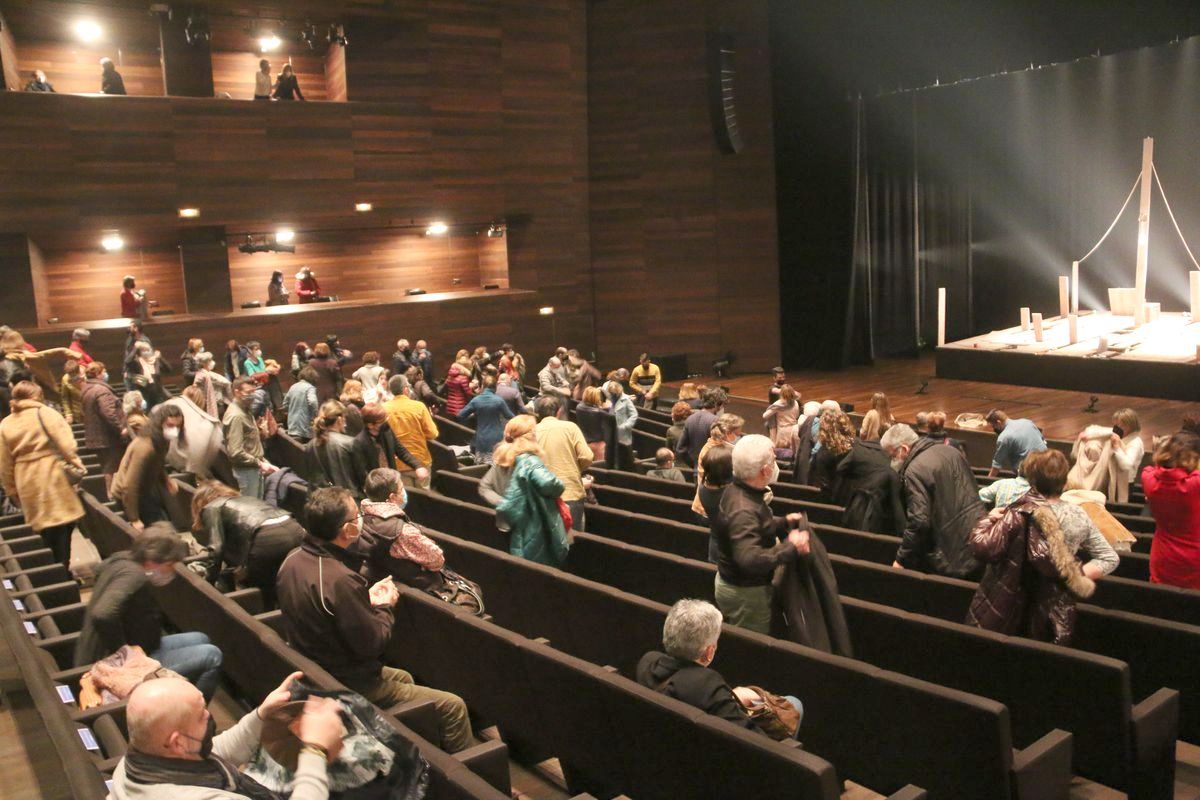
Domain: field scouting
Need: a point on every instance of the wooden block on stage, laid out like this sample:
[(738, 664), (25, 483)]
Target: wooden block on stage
[(1102, 347), (1025, 318), (1074, 287), (1073, 328), (1121, 302), (1037, 327), (1064, 299), (1152, 312), (1194, 278)]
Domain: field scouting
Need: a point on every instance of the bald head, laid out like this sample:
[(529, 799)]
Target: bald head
[(162, 713)]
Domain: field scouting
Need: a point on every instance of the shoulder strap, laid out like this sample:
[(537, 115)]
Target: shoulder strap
[(53, 444)]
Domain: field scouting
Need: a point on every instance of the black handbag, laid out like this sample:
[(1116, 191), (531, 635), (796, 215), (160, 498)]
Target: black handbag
[(460, 591)]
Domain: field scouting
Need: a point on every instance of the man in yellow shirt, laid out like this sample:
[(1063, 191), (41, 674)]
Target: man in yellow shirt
[(413, 426), (567, 455), (644, 381)]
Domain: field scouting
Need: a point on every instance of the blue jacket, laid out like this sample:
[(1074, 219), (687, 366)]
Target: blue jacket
[(626, 415), (301, 402), (536, 530), (490, 413)]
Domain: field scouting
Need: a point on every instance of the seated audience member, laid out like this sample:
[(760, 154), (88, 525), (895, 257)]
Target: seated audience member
[(645, 381), (1004, 492), (103, 420), (392, 545), (302, 405), (70, 391), (122, 610), (689, 393), (352, 398), (307, 288), (877, 420), (725, 431), (683, 672), (696, 427), (1033, 578), (373, 378), (376, 447), (79, 340), (332, 454), (247, 538), (254, 363), (413, 427), (111, 81), (133, 405), (243, 441), (782, 418), (1015, 439), (287, 87), (333, 616), (141, 484), (777, 386), (277, 293), (941, 502), (664, 460), (530, 503), (750, 541), (1107, 459), (218, 390), (490, 414), (1172, 487), (679, 414), (175, 752), (38, 83), (566, 454)]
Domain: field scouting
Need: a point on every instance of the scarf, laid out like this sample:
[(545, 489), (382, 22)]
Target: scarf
[(213, 772)]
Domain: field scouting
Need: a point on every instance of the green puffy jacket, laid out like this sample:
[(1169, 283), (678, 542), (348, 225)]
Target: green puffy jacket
[(536, 530)]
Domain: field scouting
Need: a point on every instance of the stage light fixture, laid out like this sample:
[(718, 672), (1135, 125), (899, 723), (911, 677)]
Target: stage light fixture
[(189, 213), (437, 229), (112, 242), (546, 311), (268, 42), (337, 35), (363, 207), (495, 232), (309, 36), (285, 236), (195, 29), (88, 30)]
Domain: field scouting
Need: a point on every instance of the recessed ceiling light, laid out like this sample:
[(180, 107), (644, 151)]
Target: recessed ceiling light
[(268, 42), (285, 235), (436, 229), (546, 311), (88, 30), (189, 213), (363, 206), (112, 241)]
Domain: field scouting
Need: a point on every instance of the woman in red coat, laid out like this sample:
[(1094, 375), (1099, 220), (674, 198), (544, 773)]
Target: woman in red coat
[(1172, 487), (458, 390)]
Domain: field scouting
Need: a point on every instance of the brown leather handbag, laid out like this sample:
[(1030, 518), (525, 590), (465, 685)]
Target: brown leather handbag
[(774, 716)]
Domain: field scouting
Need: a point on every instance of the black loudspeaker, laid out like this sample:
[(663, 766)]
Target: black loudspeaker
[(674, 366), (411, 292), (722, 102)]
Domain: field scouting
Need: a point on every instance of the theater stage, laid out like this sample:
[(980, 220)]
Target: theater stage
[(1156, 359)]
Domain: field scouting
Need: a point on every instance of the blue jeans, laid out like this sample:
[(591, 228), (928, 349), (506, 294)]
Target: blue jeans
[(250, 481), (193, 657), (795, 701)]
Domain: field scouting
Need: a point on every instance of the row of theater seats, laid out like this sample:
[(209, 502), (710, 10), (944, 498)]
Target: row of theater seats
[(1119, 744)]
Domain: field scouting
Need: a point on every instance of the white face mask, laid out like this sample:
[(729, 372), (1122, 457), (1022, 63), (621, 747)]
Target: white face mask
[(774, 473), (171, 434)]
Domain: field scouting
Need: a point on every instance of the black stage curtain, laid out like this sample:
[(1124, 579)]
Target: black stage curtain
[(991, 187)]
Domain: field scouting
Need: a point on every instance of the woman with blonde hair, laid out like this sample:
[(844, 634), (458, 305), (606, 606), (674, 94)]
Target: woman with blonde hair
[(876, 421), (352, 399), (689, 393), (1108, 458), (134, 407), (782, 419), (530, 506), (594, 417), (835, 437), (724, 432), (331, 453), (36, 443)]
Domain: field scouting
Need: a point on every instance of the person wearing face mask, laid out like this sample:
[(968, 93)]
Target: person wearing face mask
[(122, 610), (141, 484), (103, 420), (333, 616), (750, 541), (243, 442), (330, 456), (391, 544), (247, 538), (254, 363), (376, 447), (942, 504), (175, 752)]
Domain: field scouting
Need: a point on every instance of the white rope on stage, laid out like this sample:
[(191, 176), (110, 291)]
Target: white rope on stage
[(1171, 214), (1118, 218)]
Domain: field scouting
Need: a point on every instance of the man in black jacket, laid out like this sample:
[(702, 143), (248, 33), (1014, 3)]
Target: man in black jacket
[(331, 616), (750, 541), (696, 426), (690, 639), (122, 610), (941, 502)]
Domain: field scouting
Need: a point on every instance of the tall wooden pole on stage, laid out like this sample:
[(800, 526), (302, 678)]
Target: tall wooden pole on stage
[(1074, 287), (1064, 289), (1143, 242), (1194, 286)]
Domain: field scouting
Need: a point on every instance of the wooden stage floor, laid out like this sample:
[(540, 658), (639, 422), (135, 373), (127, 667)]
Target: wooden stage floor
[(1059, 413)]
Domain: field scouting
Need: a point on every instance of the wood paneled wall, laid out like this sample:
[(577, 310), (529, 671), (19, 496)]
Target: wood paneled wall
[(76, 68), (683, 237), (86, 284), (361, 265), (335, 73), (9, 68), (493, 260), (234, 73)]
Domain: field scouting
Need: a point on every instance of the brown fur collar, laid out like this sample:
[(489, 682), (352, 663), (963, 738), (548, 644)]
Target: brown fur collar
[(1068, 567)]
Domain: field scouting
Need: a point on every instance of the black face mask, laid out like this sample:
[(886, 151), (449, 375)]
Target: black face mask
[(206, 743)]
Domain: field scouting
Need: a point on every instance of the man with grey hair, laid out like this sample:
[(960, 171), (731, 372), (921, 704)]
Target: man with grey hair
[(79, 337), (750, 541), (941, 502), (553, 380), (690, 640)]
